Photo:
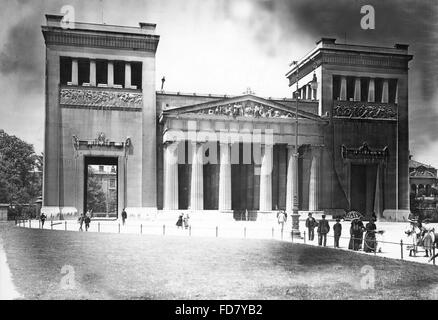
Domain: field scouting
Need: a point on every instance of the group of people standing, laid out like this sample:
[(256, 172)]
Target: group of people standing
[(357, 230), (183, 220), (322, 228)]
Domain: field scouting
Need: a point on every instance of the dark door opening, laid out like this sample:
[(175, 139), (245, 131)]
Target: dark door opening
[(363, 188), (101, 187)]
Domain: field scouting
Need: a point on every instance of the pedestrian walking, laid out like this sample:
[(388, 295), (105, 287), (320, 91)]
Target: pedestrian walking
[(43, 219), (87, 221), (323, 229), (337, 230), (310, 225), (186, 219), (281, 218), (81, 221), (124, 216), (179, 222)]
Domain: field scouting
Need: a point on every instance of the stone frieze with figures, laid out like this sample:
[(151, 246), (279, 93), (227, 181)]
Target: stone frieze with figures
[(364, 111), (247, 109), (101, 98)]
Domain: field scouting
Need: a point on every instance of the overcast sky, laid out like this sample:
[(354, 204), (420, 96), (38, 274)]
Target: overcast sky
[(225, 46)]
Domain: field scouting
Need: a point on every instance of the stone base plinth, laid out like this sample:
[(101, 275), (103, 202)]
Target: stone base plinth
[(267, 216), (196, 217), (141, 213), (395, 215), (59, 212)]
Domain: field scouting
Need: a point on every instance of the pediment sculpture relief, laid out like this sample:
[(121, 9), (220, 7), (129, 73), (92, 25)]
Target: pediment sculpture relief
[(247, 109)]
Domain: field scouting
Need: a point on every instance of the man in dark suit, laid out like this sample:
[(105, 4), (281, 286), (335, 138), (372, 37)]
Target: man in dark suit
[(323, 229), (310, 225)]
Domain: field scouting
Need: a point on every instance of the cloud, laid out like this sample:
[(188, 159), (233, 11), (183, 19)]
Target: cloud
[(22, 54)]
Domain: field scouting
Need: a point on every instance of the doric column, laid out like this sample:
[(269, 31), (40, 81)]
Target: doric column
[(127, 75), (93, 73), (225, 178), (266, 178), (110, 74), (171, 176), (396, 94), (290, 178), (314, 182), (385, 91), (197, 180), (371, 91), (343, 92), (308, 92), (74, 72), (357, 93)]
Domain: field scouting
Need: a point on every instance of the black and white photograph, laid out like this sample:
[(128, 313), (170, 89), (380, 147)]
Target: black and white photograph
[(219, 150)]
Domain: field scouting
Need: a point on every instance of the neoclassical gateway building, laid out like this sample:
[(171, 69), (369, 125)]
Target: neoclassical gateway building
[(346, 147)]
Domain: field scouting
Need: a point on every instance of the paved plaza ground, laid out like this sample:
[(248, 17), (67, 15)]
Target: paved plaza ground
[(389, 244), (54, 264)]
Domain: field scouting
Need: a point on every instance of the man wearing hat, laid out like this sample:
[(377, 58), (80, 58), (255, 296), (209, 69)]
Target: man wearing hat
[(323, 229), (310, 225)]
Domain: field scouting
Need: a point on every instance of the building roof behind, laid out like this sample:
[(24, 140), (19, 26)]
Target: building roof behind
[(415, 164)]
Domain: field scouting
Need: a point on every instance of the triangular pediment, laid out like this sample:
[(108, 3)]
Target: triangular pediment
[(422, 171), (249, 106)]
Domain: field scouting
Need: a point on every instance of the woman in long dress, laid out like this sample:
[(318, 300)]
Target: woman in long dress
[(414, 233), (370, 236), (428, 240), (356, 234)]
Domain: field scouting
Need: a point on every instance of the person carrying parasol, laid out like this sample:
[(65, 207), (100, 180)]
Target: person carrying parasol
[(356, 230)]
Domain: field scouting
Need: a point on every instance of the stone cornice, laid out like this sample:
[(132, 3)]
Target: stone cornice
[(366, 60), (107, 40), (353, 59)]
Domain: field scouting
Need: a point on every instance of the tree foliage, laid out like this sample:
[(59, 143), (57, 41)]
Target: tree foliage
[(96, 199), (20, 170)]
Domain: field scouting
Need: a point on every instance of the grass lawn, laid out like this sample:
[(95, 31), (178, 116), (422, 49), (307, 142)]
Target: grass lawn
[(123, 266)]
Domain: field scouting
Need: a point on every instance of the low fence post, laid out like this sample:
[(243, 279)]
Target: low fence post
[(292, 236), (190, 231), (30, 224), (433, 249), (65, 223), (164, 229), (244, 232), (51, 223), (39, 224), (401, 249), (141, 228), (304, 233), (119, 227), (217, 231), (272, 232), (98, 227)]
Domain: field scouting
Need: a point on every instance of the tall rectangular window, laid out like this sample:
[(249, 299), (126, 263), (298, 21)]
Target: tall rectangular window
[(392, 90), (378, 89), (364, 86), (136, 74), (65, 70), (83, 71), (119, 73), (336, 87), (101, 71), (350, 88)]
